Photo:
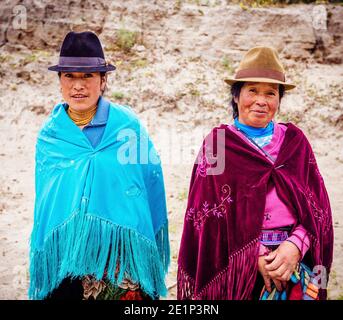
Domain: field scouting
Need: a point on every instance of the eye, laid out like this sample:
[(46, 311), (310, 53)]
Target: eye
[(68, 75), (88, 75), (252, 90), (271, 93)]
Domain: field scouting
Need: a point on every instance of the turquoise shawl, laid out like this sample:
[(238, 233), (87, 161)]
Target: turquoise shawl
[(98, 208)]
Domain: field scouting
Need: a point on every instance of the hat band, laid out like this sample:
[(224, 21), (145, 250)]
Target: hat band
[(260, 73), (81, 62)]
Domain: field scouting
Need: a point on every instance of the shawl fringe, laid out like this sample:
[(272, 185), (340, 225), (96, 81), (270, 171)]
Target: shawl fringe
[(86, 245), (162, 242), (185, 285), (225, 285)]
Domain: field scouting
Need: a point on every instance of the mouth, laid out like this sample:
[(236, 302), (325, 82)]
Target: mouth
[(78, 96), (260, 112)]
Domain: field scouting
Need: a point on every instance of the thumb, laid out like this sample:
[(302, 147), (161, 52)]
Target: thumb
[(270, 257)]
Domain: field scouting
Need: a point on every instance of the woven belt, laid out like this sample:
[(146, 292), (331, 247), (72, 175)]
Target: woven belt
[(273, 237)]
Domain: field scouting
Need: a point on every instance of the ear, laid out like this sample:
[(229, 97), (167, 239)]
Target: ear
[(236, 100), (103, 82)]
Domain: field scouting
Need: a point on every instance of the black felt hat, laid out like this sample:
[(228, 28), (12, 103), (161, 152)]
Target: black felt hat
[(82, 52)]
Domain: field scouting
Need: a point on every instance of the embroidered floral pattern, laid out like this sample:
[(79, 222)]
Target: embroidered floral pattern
[(312, 161), (219, 210), (321, 214), (203, 164), (205, 160), (92, 288), (104, 290)]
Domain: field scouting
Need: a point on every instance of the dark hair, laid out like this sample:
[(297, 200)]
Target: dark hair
[(236, 90)]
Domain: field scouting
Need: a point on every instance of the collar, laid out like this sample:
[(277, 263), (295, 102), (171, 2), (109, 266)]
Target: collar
[(101, 115), (253, 131)]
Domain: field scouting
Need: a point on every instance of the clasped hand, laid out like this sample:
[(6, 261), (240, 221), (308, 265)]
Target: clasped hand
[(279, 265)]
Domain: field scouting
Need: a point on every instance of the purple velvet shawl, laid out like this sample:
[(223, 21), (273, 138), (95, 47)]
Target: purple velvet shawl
[(219, 248)]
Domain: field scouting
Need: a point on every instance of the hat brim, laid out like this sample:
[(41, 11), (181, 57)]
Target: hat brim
[(58, 68), (288, 86)]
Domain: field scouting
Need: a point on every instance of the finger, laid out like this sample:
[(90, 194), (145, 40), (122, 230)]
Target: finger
[(267, 283), (278, 284), (275, 264), (285, 276), (278, 273), (271, 256)]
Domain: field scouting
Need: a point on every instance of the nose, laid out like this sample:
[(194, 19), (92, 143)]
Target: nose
[(261, 100), (78, 84)]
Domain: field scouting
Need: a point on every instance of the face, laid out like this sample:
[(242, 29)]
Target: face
[(81, 90), (258, 103)]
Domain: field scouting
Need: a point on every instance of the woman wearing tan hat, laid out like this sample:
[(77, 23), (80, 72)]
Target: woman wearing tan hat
[(100, 222), (262, 226)]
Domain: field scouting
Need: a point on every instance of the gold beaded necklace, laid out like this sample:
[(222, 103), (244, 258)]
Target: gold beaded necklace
[(81, 118)]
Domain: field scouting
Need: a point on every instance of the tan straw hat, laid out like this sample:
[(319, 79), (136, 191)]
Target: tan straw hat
[(261, 64)]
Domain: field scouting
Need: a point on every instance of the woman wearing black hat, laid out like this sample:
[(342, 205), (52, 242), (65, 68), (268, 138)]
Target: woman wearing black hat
[(100, 223)]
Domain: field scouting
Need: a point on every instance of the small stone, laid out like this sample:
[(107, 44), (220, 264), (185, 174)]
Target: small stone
[(139, 48)]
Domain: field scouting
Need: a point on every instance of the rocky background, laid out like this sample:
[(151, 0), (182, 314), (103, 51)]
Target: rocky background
[(171, 57)]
